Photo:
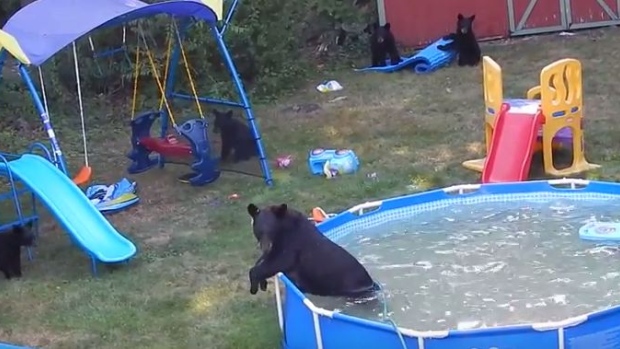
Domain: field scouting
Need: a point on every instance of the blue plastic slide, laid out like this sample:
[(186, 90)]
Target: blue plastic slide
[(82, 221), (11, 346), (427, 60)]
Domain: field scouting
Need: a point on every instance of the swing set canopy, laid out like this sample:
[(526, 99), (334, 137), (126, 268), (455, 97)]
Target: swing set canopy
[(40, 30)]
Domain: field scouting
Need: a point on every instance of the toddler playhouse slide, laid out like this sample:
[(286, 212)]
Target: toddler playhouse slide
[(82, 221), (512, 147)]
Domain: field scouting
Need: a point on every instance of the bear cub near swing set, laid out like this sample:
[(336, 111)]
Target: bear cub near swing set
[(236, 137), (10, 249)]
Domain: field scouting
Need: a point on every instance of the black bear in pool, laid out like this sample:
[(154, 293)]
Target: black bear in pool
[(291, 244), (10, 249), (464, 42), (236, 137)]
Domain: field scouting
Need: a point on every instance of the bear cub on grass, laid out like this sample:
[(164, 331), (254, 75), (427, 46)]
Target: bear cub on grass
[(291, 244), (11, 247), (236, 137), (382, 44), (464, 42)]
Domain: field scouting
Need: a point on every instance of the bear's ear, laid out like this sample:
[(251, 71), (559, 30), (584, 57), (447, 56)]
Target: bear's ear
[(280, 211), (229, 114), (17, 229), (460, 17), (387, 26), (216, 112), (253, 210), (29, 224), (472, 18)]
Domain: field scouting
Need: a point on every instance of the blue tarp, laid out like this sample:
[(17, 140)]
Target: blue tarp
[(46, 26)]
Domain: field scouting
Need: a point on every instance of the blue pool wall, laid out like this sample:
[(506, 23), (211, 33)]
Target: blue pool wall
[(306, 326)]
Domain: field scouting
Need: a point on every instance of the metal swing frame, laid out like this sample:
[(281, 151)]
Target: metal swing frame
[(175, 57)]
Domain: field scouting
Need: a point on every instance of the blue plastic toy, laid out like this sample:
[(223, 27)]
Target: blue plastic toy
[(113, 198), (601, 232), (427, 60), (343, 161), (194, 131)]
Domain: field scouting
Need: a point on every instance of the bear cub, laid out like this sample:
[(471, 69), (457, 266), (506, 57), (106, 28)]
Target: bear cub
[(464, 42), (382, 44), (291, 244), (10, 249), (235, 136)]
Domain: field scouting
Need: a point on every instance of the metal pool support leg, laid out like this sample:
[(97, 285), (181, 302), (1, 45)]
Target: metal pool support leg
[(59, 158), (245, 102)]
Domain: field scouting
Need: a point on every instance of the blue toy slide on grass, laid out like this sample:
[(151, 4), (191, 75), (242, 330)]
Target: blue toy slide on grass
[(82, 221), (11, 346), (427, 60)]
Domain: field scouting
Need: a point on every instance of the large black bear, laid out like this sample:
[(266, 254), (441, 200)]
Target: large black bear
[(382, 44), (10, 249), (291, 244), (464, 42), (236, 137)]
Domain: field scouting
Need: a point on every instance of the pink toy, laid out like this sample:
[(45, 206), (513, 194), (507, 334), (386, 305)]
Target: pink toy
[(284, 161)]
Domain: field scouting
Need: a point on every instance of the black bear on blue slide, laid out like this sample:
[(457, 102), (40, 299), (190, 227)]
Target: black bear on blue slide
[(236, 137), (10, 249), (382, 44), (464, 42), (291, 244)]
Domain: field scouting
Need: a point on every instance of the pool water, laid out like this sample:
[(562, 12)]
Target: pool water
[(488, 264)]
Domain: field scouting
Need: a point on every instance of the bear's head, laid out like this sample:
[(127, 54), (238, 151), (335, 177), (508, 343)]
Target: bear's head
[(464, 24), (270, 223), (222, 120), (22, 235), (378, 33)]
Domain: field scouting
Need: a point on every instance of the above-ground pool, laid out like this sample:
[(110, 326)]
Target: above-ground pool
[(570, 307)]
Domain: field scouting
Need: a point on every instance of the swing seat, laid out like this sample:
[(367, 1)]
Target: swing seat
[(83, 176), (168, 146)]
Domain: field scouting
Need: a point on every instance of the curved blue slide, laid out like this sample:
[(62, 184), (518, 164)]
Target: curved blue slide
[(82, 221)]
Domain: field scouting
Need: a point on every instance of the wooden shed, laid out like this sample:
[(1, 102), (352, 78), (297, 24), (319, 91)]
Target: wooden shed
[(418, 22)]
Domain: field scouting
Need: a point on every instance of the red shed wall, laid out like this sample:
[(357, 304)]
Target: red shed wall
[(419, 22), (591, 11)]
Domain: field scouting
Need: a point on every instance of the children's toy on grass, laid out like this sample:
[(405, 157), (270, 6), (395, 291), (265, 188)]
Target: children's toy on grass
[(319, 215), (332, 162), (329, 86), (427, 60), (284, 161), (113, 198)]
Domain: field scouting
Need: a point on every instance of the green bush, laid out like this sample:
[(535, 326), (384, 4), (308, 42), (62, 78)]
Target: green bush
[(273, 44)]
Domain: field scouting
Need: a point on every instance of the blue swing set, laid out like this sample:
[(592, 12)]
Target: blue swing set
[(34, 47), (43, 28)]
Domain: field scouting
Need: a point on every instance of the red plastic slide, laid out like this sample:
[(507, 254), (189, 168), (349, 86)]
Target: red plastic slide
[(512, 146)]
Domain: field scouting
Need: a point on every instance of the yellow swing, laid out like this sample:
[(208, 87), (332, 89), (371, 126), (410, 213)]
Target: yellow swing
[(169, 146)]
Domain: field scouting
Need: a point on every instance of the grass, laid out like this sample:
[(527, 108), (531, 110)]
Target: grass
[(188, 286)]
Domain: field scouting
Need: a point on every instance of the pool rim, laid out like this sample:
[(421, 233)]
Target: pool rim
[(564, 185)]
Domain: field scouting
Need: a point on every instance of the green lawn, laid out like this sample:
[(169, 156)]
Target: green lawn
[(188, 286)]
